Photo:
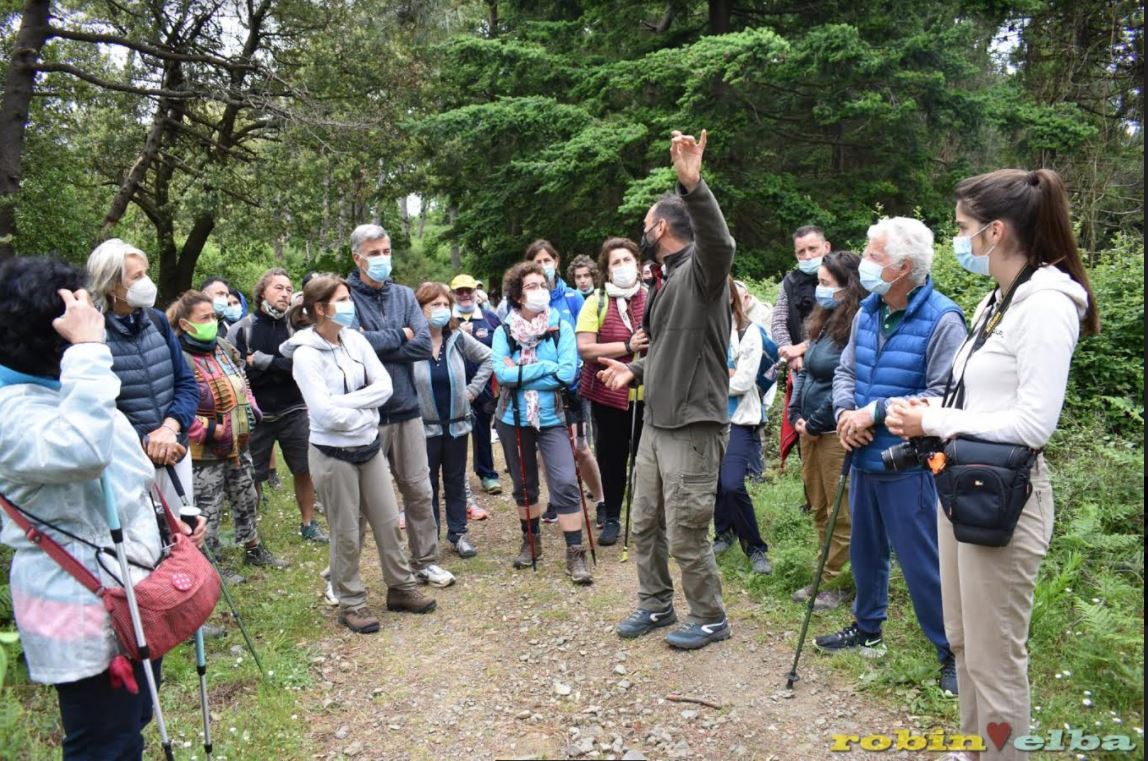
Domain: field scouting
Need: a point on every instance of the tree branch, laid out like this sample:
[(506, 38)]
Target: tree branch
[(64, 68), (140, 47)]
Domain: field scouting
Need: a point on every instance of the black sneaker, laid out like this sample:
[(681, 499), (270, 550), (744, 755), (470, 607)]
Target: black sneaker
[(609, 533), (259, 555), (694, 636), (644, 621), (722, 543), (949, 678), (600, 518), (551, 515), (850, 638)]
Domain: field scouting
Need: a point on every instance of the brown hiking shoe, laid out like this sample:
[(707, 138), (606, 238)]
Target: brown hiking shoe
[(409, 600), (523, 559), (576, 565), (359, 620)]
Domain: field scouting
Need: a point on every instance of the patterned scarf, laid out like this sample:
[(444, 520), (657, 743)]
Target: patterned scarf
[(622, 297), (528, 334)]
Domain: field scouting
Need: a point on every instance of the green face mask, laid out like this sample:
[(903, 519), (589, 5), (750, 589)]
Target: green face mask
[(205, 332)]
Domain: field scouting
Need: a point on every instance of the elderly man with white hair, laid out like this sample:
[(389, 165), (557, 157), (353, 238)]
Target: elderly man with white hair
[(902, 345), (390, 318)]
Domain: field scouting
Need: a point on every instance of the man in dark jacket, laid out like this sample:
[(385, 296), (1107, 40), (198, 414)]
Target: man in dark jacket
[(481, 323), (688, 319), (258, 338), (389, 316), (795, 296)]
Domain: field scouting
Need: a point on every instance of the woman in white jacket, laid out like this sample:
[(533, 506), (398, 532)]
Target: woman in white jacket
[(734, 518), (1013, 226), (343, 384)]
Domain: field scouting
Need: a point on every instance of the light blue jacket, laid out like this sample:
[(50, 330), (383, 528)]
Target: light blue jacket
[(56, 440), (554, 368)]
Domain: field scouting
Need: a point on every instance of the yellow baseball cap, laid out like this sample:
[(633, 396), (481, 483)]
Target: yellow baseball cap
[(463, 281)]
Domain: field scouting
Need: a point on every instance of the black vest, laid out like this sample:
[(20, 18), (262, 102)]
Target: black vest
[(799, 291)]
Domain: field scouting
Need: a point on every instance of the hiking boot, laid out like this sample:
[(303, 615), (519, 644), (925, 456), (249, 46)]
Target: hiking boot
[(576, 565), (851, 637), (722, 543), (435, 576), (829, 599), (694, 636), (523, 560), (230, 577), (259, 555), (949, 677), (760, 563), (803, 594), (411, 600), (609, 533), (273, 480), (359, 620), (491, 485), (551, 515), (464, 548), (643, 621), (600, 515), (312, 532), (210, 631)]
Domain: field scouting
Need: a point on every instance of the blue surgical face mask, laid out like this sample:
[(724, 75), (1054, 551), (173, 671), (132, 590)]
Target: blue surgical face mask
[(378, 268), (963, 248), (465, 308), (870, 274), (233, 312), (439, 317), (809, 266), (548, 271), (344, 313), (826, 296), (219, 304)]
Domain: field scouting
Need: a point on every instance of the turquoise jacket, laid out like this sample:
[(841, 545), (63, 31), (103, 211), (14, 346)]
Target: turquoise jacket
[(555, 367)]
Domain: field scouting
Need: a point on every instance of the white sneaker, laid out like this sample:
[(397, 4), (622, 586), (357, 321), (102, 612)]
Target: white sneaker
[(435, 576), (329, 595)]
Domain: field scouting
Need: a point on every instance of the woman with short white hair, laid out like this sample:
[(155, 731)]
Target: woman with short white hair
[(158, 394)]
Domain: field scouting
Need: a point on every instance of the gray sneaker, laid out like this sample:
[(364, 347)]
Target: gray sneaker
[(829, 599), (760, 563), (722, 543), (464, 548), (694, 636)]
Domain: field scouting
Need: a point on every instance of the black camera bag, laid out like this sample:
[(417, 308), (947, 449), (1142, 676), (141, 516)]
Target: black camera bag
[(983, 489)]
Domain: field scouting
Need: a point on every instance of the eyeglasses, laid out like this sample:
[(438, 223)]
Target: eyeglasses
[(532, 286)]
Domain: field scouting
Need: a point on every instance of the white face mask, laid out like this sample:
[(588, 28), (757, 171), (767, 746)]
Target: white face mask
[(537, 300), (141, 293), (624, 275)]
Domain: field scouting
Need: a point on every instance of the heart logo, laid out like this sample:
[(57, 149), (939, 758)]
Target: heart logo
[(999, 733)]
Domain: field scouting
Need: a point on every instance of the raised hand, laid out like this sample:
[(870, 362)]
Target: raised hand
[(686, 154), (616, 375), (81, 322)]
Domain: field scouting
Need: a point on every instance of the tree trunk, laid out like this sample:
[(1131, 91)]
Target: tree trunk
[(720, 14), (492, 5), (422, 221), (404, 217), (455, 250), (18, 87)]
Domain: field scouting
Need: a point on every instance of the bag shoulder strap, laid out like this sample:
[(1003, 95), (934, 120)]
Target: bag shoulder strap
[(53, 549)]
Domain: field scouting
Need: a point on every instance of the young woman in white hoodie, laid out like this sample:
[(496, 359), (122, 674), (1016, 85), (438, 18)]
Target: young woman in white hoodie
[(1012, 224), (344, 384)]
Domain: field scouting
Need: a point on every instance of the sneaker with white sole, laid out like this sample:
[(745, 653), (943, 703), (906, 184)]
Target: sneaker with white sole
[(329, 595), (869, 644), (435, 576)]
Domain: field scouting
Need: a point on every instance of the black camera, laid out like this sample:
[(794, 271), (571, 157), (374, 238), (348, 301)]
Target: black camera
[(913, 453)]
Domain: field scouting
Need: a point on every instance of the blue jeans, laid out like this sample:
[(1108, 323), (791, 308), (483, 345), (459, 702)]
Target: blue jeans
[(101, 722), (898, 510), (733, 510)]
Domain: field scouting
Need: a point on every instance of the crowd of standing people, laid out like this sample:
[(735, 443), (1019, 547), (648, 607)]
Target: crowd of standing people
[(647, 382)]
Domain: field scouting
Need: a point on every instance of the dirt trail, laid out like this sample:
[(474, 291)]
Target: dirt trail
[(516, 664)]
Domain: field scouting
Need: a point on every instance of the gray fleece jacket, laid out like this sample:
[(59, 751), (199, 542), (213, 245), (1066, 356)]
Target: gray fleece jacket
[(459, 348)]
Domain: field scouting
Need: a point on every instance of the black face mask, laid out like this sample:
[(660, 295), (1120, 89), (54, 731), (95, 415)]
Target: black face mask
[(647, 248), (649, 282)]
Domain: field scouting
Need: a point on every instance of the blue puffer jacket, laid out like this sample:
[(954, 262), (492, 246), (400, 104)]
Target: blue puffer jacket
[(555, 366), (155, 381), (898, 368)]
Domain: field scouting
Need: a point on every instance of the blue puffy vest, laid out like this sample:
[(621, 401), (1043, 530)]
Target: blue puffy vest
[(141, 359), (899, 367)]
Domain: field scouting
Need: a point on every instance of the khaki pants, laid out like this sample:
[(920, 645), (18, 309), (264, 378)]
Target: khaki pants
[(675, 484), (405, 447), (821, 459), (350, 495), (987, 593)]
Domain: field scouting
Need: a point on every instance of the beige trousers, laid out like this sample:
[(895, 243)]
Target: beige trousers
[(405, 447), (986, 593), (352, 494), (821, 459)]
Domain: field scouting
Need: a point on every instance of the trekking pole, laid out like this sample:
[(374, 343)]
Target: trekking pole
[(630, 480), (582, 492), (820, 566), (113, 515), (223, 585), (201, 668), (522, 470)]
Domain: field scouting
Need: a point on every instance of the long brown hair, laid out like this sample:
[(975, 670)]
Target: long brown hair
[(740, 319), (1036, 205), (319, 290), (838, 322), (429, 291), (182, 307)]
